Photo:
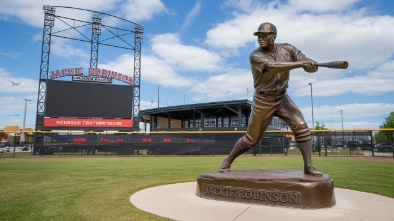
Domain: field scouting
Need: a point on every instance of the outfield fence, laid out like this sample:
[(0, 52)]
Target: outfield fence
[(325, 143)]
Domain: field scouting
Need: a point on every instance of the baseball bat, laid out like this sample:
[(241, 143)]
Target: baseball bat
[(334, 64)]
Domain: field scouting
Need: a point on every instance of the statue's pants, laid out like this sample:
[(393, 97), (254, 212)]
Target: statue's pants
[(264, 108)]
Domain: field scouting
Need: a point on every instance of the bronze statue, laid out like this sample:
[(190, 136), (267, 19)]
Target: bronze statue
[(271, 64)]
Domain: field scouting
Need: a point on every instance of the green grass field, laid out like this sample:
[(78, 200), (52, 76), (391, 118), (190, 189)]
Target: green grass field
[(98, 187)]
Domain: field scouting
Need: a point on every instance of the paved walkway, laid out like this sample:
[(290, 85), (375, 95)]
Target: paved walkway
[(180, 202)]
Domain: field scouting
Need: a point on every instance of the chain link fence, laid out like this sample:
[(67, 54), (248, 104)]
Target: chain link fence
[(325, 143)]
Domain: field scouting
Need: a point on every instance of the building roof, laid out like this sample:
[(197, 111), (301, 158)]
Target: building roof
[(10, 129), (210, 109)]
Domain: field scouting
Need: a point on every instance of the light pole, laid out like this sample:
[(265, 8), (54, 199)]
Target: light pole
[(332, 127), (343, 135), (313, 123), (24, 121), (205, 97), (158, 107), (24, 115), (341, 117), (158, 97)]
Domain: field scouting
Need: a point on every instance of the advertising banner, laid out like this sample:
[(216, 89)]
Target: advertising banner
[(82, 122)]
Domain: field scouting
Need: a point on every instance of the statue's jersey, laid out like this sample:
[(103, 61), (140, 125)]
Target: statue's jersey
[(265, 80)]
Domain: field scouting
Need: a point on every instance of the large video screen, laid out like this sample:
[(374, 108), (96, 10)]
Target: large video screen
[(75, 99)]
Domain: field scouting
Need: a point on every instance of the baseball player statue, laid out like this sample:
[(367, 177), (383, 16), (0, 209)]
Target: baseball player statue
[(271, 64)]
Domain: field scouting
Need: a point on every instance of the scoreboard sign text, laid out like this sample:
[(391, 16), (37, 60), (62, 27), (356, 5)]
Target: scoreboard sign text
[(95, 75)]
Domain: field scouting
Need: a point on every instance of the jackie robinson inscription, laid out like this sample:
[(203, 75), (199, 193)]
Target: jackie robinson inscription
[(261, 196)]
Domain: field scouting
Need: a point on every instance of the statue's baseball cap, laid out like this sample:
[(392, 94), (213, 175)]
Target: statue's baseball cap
[(265, 28)]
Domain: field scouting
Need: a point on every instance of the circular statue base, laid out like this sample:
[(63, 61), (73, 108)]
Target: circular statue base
[(287, 188)]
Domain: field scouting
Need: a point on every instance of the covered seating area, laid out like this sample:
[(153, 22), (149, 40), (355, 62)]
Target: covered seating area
[(223, 115)]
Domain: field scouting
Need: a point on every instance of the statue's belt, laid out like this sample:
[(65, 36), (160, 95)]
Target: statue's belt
[(272, 93)]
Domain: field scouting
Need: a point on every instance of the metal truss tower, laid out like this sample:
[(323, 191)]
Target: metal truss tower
[(49, 22), (96, 31), (137, 69)]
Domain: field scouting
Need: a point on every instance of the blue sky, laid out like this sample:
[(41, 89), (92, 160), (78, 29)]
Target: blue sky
[(197, 51)]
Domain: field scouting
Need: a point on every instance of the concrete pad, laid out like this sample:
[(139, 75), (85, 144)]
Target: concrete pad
[(180, 202)]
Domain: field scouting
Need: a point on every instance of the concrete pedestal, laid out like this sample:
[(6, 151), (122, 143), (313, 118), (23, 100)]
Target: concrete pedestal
[(287, 188)]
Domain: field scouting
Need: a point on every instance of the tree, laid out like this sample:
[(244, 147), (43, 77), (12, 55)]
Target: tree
[(389, 121), (321, 138), (320, 127), (386, 136)]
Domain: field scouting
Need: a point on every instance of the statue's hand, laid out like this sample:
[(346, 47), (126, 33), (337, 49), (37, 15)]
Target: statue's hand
[(309, 67)]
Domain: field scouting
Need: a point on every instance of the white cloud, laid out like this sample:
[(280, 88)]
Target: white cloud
[(12, 102), (13, 55), (184, 57), (15, 105), (26, 85), (384, 71), (8, 104), (351, 35), (153, 70), (233, 83), (136, 10), (351, 114), (12, 110), (232, 34), (147, 105), (340, 33), (355, 110), (358, 85), (246, 5), (32, 13), (3, 73), (160, 72), (65, 49), (123, 64), (321, 6), (330, 82), (29, 12), (191, 16), (349, 125)]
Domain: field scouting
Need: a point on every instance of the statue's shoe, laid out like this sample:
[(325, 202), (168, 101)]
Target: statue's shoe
[(310, 170), (225, 167)]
